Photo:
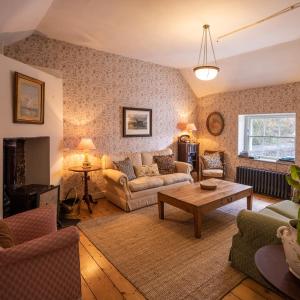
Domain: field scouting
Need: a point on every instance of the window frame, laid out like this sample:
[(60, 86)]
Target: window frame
[(247, 131)]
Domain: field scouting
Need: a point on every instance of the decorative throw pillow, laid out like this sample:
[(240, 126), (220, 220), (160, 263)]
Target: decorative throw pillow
[(125, 166), (212, 161), (146, 170), (6, 239), (165, 163)]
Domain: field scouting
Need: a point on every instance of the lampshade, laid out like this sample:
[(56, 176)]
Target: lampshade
[(206, 72), (191, 127), (86, 144)]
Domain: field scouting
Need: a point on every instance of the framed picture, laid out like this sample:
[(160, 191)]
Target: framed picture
[(215, 123), (137, 122), (29, 100)]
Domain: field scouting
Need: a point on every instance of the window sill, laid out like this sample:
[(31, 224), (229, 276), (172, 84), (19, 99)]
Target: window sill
[(272, 161)]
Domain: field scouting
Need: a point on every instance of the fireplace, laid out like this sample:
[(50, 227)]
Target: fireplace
[(26, 170)]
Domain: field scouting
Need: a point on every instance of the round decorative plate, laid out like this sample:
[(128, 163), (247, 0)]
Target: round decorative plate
[(215, 123)]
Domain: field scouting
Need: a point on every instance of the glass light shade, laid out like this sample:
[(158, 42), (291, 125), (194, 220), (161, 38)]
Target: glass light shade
[(206, 72), (86, 144), (191, 127)]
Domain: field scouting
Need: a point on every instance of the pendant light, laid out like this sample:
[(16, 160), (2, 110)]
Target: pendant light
[(204, 71)]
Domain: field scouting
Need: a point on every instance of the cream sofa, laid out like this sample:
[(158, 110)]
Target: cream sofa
[(142, 191)]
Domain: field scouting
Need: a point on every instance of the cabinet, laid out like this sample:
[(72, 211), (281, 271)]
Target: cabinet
[(189, 152)]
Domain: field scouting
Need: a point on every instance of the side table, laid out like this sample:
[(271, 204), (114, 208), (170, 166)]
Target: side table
[(270, 262), (87, 198)]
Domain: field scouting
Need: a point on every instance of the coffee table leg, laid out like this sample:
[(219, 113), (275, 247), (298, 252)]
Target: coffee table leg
[(197, 223), (249, 202), (161, 209)]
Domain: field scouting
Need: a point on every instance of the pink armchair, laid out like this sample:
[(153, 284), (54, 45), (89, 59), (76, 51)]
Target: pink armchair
[(44, 264)]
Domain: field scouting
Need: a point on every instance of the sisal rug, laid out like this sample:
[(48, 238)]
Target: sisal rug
[(162, 259)]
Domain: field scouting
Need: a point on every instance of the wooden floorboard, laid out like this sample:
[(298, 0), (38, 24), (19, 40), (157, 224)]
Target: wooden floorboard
[(101, 280)]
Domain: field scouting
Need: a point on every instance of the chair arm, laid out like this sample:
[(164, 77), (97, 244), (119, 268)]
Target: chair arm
[(44, 268), (115, 176), (32, 224), (183, 167)]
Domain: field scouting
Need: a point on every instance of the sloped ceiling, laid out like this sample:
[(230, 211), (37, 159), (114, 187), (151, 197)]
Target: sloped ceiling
[(169, 33)]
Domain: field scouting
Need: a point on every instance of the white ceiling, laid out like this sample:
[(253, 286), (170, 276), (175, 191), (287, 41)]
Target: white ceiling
[(167, 32)]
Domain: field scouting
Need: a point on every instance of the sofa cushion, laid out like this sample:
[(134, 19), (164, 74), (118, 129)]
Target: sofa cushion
[(175, 178), (147, 157), (145, 183), (108, 160), (286, 208), (166, 164), (213, 173), (146, 170), (270, 213), (126, 167)]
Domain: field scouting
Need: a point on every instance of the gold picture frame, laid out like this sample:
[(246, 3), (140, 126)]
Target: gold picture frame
[(29, 100)]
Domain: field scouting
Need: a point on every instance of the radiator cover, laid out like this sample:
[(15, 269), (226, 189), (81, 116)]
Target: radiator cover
[(271, 183)]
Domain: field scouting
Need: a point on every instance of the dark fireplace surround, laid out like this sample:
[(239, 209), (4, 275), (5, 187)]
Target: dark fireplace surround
[(26, 170)]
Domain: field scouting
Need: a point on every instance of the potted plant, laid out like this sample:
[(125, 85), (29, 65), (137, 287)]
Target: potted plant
[(290, 235)]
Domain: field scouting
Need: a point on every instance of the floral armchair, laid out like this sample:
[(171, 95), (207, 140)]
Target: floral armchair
[(212, 165), (44, 263)]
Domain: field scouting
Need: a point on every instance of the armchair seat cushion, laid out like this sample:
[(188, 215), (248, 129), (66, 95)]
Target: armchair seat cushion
[(175, 178), (212, 172), (145, 183)]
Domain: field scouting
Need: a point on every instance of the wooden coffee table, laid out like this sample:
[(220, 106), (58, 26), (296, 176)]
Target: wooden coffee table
[(191, 198)]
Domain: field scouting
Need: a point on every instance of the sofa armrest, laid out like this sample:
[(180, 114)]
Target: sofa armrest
[(32, 224), (115, 176), (183, 167), (39, 267), (258, 229)]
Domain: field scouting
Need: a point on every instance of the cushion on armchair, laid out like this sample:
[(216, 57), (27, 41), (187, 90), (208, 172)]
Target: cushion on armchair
[(213, 172), (212, 161)]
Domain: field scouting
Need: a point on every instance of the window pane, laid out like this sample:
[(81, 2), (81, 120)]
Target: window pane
[(272, 127), (257, 127)]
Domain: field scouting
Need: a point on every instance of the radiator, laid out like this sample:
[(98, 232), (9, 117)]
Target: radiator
[(271, 183)]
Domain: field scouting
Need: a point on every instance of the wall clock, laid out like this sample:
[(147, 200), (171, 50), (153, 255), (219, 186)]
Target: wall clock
[(215, 123)]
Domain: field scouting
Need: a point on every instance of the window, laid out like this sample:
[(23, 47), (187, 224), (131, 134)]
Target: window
[(269, 137)]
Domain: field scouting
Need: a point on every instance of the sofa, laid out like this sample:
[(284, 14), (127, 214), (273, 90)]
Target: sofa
[(142, 191), (44, 263), (258, 229)]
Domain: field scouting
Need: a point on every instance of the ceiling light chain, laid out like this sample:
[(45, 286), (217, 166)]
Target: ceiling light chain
[(205, 71)]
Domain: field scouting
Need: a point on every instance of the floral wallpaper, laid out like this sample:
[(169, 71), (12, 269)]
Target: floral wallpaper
[(96, 85), (273, 99)]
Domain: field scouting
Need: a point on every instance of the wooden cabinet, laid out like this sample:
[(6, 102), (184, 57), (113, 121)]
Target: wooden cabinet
[(189, 152)]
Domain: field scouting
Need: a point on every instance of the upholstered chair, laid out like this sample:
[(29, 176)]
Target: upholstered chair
[(44, 263), (210, 168)]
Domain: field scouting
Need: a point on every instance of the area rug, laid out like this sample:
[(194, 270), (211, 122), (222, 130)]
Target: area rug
[(162, 259)]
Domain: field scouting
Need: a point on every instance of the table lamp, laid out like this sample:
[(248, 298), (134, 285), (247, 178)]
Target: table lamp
[(86, 144), (190, 127)]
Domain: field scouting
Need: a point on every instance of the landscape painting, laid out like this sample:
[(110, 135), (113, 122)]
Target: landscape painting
[(137, 122), (29, 100)]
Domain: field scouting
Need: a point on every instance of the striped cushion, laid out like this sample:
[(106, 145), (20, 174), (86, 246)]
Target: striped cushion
[(126, 167)]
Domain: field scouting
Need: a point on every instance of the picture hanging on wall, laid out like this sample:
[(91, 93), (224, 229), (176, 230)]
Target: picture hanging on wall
[(28, 100), (137, 122), (215, 123)]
